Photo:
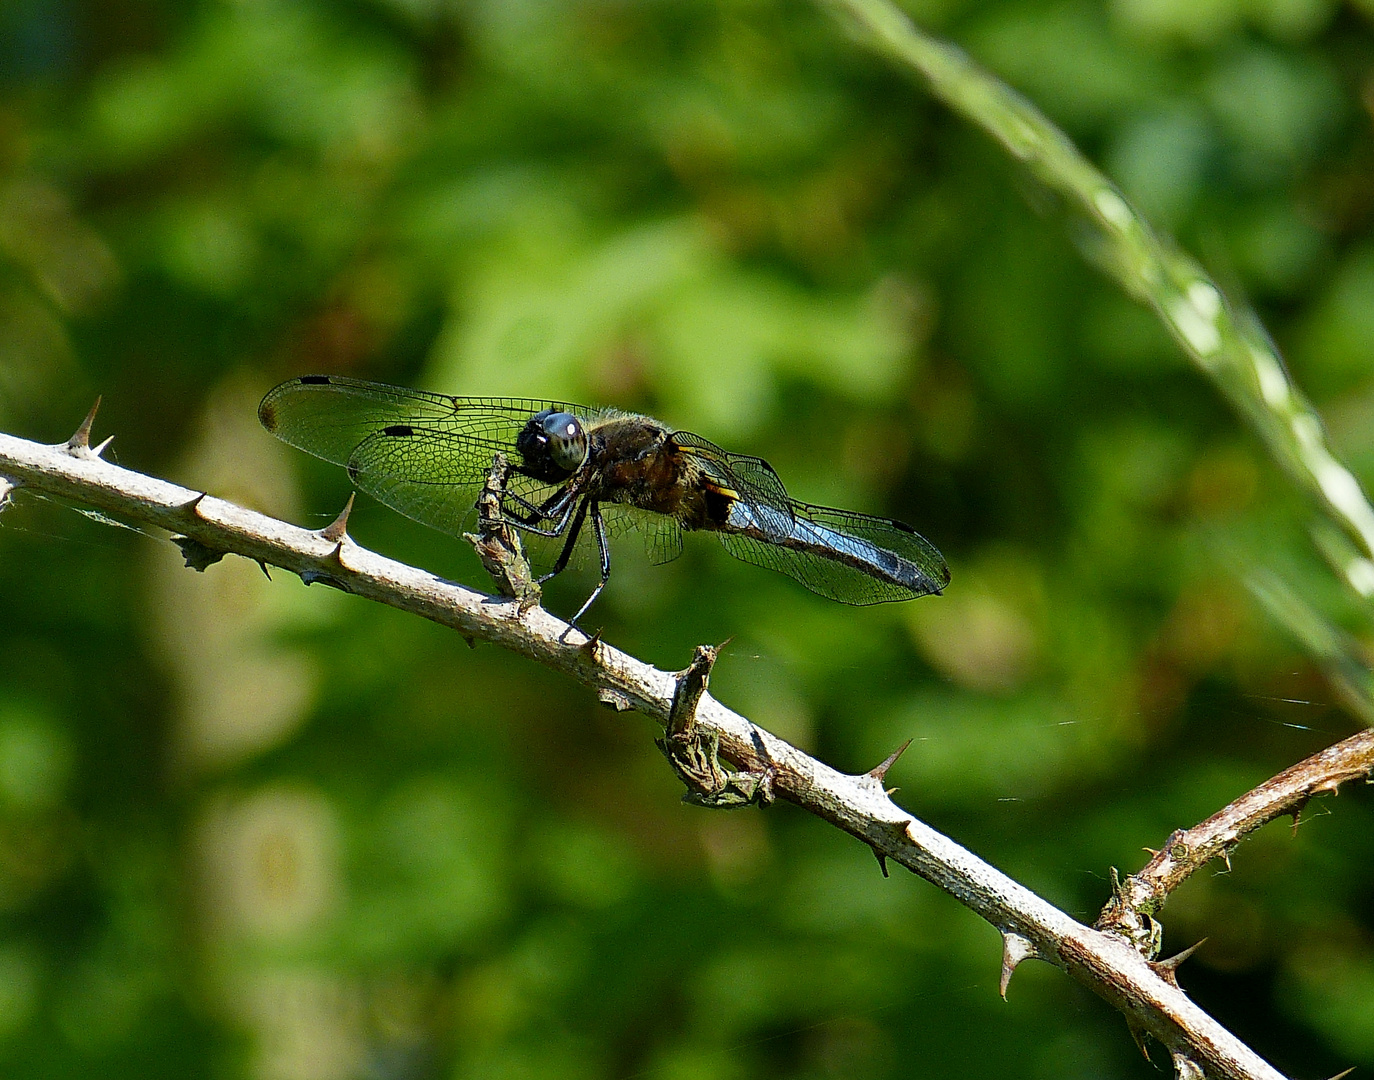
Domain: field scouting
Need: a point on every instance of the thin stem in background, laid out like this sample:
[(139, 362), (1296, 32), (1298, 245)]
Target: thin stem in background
[(1224, 339)]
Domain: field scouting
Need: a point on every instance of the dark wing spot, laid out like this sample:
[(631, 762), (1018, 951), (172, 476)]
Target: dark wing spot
[(267, 413), (352, 470), (314, 380), (399, 430)]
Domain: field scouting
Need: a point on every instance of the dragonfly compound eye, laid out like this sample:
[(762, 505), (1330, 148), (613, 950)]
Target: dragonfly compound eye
[(553, 445), (567, 440)]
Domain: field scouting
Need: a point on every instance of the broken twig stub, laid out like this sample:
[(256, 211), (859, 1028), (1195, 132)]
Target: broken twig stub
[(498, 545)]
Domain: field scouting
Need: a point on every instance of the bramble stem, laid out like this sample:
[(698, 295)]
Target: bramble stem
[(859, 805)]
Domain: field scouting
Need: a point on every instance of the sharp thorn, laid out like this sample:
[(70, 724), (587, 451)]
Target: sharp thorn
[(265, 572), (1154, 852), (1119, 887), (879, 771), (1138, 1035), (1185, 1068), (1226, 858), (337, 529), (1015, 948), (1342, 1075), (882, 861), (1177, 959), (592, 645), (99, 450), (193, 507), (1168, 969), (81, 437), (1298, 808)]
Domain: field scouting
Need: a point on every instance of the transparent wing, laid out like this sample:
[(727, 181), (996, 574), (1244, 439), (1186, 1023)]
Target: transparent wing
[(329, 416), (433, 476), (845, 556), (752, 479), (661, 534), (428, 475)]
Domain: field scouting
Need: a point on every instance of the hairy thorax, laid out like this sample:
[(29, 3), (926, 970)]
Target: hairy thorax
[(640, 465)]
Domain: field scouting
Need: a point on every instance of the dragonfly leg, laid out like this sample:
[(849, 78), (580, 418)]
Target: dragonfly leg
[(549, 509), (562, 503), (574, 530), (604, 550)]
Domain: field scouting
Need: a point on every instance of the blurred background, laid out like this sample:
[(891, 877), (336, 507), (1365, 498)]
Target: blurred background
[(250, 829)]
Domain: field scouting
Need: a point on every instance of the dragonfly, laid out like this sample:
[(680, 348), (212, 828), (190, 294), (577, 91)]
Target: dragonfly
[(576, 470)]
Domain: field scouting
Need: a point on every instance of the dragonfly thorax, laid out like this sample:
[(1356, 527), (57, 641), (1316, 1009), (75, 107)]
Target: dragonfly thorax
[(553, 445)]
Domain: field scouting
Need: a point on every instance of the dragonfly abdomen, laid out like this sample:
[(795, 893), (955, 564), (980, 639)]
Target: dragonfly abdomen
[(811, 538)]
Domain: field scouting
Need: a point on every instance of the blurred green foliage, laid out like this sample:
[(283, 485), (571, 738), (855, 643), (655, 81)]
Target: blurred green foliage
[(250, 829)]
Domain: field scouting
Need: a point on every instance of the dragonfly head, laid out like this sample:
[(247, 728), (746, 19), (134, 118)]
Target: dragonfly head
[(553, 444)]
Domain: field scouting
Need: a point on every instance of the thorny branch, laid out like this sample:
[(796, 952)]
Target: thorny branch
[(1112, 968), (1134, 903)]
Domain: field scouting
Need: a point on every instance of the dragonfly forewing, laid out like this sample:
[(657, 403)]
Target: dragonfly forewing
[(330, 415), (433, 476)]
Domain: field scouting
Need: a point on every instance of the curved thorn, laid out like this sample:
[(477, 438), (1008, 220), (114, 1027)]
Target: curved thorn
[(337, 529), (882, 865), (1138, 1036), (1015, 948), (81, 437), (879, 771), (193, 507), (1167, 969), (266, 573), (1296, 814)]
